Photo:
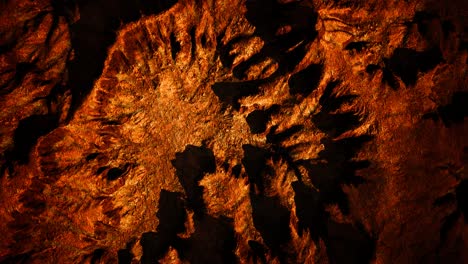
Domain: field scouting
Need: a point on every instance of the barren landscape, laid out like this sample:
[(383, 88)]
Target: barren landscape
[(233, 131)]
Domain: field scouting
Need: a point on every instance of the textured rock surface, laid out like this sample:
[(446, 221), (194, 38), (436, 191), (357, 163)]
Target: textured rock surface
[(233, 131)]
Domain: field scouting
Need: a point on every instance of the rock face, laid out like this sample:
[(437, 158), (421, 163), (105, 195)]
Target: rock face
[(255, 131)]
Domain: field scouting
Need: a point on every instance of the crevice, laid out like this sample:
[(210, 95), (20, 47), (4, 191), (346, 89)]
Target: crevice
[(97, 255), (91, 156), (276, 138), (193, 43), (357, 46), (203, 41), (114, 173), (101, 169), (175, 46)]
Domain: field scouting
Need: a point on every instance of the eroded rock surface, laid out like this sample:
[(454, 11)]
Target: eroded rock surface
[(253, 131)]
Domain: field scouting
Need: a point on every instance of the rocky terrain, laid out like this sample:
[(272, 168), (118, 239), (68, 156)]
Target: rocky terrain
[(233, 131)]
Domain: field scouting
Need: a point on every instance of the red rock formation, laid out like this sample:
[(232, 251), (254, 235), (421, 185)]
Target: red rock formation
[(233, 131)]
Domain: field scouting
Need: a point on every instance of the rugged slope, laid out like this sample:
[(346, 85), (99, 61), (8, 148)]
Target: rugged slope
[(233, 131)]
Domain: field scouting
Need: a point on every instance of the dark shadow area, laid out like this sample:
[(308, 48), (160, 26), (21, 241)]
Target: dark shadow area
[(357, 46), (422, 19), (213, 241), (18, 259), (453, 113), (268, 17), (258, 252), (125, 256), (151, 245), (191, 165), (345, 243), (372, 68), (334, 167), (348, 244), (214, 238), (309, 210), (28, 132), (20, 72), (463, 46), (94, 32), (236, 170), (254, 162), (331, 102), (97, 255), (305, 81), (286, 48), (406, 63), (175, 46), (389, 78), (327, 122), (223, 51), (101, 169), (91, 156), (193, 43), (448, 223), (229, 93), (114, 173), (445, 199), (459, 197), (447, 28), (276, 138), (270, 217), (461, 193), (31, 200), (172, 216), (258, 119)]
